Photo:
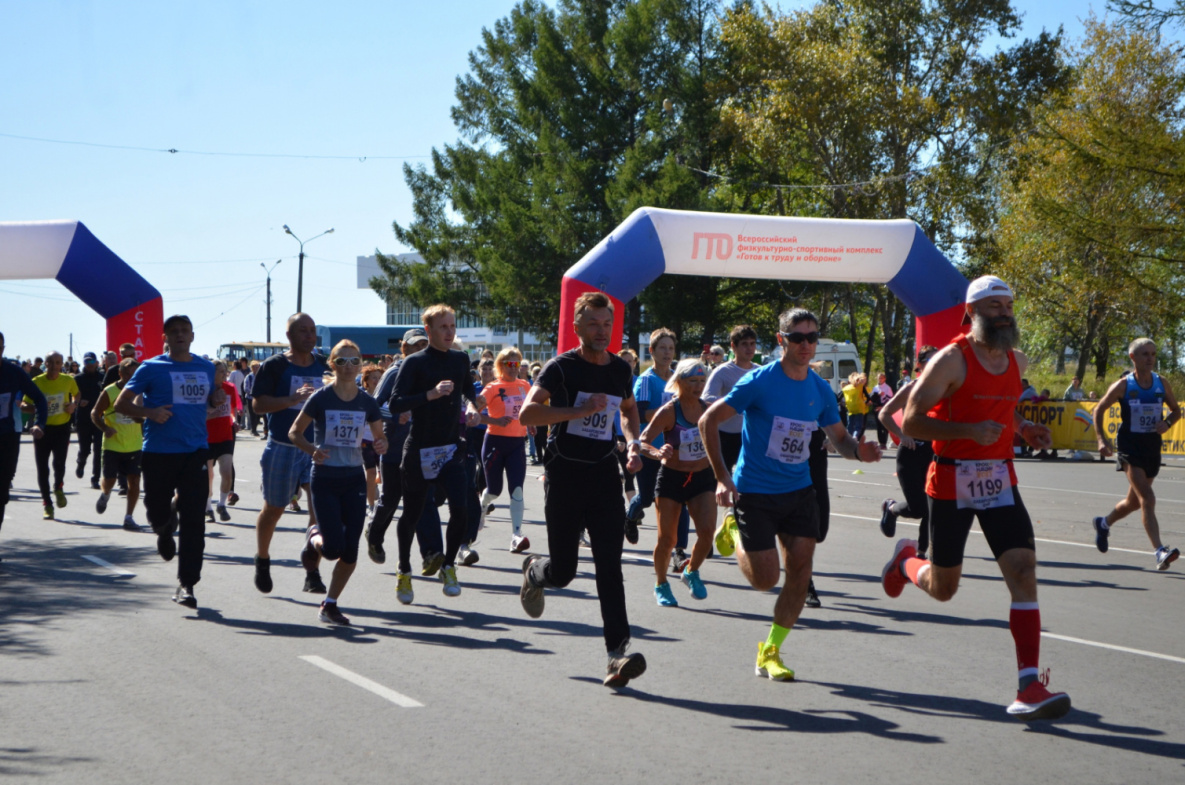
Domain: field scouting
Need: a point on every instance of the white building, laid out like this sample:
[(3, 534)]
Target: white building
[(477, 335)]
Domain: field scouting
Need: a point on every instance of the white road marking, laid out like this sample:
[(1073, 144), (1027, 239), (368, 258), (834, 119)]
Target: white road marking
[(977, 531), (109, 566), (397, 698), (1113, 647)]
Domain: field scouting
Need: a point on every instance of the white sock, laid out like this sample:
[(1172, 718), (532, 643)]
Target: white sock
[(516, 511), (330, 600), (222, 498)]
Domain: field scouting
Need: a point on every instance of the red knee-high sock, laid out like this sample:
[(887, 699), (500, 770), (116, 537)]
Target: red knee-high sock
[(1025, 622), (913, 568)]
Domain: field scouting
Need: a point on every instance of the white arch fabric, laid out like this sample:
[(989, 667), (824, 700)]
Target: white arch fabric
[(34, 249)]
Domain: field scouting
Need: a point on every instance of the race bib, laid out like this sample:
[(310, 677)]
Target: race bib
[(56, 403), (221, 411), (123, 419), (512, 405), (1145, 416), (297, 382), (433, 459), (598, 425), (344, 428), (982, 485), (789, 439), (691, 446), (190, 388)]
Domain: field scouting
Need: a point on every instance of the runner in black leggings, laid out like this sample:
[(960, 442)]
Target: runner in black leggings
[(913, 461)]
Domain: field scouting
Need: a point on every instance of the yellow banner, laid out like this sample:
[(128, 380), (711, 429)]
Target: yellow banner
[(1072, 425)]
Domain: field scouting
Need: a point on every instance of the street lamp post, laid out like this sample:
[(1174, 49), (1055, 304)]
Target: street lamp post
[(269, 296), (300, 267)]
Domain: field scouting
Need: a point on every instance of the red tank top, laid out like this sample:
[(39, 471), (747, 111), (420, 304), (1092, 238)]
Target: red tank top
[(983, 396)]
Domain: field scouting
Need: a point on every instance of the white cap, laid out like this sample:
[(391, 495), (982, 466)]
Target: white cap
[(987, 286), (984, 287)]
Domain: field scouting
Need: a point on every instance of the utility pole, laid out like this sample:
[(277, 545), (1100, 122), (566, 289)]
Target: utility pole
[(300, 268), (269, 296)]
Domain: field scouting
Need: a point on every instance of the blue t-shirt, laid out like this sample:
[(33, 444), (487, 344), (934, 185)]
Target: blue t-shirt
[(185, 386), (650, 393), (339, 427), (780, 415), (279, 378)]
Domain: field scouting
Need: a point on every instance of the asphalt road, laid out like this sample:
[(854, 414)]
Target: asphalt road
[(103, 679)]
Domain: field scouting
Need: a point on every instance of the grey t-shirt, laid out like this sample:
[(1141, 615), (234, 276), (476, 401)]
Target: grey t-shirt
[(722, 380), (339, 426)]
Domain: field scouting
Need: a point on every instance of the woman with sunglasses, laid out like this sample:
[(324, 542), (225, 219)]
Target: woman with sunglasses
[(503, 451), (340, 413), (913, 461), (685, 478)]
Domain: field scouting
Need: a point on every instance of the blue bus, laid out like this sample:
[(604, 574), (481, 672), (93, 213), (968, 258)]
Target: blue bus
[(373, 341)]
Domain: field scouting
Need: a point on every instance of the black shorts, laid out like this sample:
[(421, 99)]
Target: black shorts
[(761, 517), (370, 458), (1150, 464), (218, 449), (682, 487), (1004, 528), (117, 463)]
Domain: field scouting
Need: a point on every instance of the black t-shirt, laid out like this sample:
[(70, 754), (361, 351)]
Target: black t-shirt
[(569, 379), (433, 423), (89, 389)]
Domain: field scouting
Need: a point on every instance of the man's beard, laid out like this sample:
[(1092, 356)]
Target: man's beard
[(1000, 333)]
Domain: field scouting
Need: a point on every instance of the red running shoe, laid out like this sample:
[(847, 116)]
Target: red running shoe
[(1035, 702), (891, 578)]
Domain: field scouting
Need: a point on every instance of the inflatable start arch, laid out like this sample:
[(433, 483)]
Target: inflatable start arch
[(654, 241), (67, 252)]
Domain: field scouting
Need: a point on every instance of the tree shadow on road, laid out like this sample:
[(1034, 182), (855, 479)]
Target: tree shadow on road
[(42, 582), (28, 762)]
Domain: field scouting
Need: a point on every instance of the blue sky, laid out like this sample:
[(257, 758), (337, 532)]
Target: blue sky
[(351, 79)]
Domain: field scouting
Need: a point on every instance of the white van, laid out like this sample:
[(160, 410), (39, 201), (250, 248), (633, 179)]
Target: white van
[(835, 362)]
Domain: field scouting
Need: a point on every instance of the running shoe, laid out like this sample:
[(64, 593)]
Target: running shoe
[(467, 556), (664, 596), (263, 574), (519, 544), (432, 563), (95, 485), (1166, 556), (584, 543), (233, 499), (209, 515), (330, 614), (308, 555), (129, 524), (448, 576), (374, 550), (489, 509), (888, 518), (530, 595), (622, 667), (101, 503), (726, 536), (631, 530), (403, 590), (79, 469), (60, 497), (294, 505), (769, 663), (223, 513), (122, 492), (1101, 532), (694, 585), (891, 578), (184, 596), (679, 561), (166, 546), (313, 583), (812, 596), (47, 512), (1035, 702)]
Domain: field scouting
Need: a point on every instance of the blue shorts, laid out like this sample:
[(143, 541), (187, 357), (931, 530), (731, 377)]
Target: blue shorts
[(285, 469)]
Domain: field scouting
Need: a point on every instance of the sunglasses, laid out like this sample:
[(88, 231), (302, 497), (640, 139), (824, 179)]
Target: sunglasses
[(812, 337), (342, 361), (511, 364)]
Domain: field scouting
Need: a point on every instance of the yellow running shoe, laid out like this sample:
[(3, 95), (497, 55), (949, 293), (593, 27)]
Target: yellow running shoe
[(403, 590), (769, 663), (726, 536)]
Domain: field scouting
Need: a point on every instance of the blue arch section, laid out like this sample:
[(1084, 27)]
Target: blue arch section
[(98, 277)]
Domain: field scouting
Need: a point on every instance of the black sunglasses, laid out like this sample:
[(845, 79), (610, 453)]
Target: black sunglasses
[(812, 337)]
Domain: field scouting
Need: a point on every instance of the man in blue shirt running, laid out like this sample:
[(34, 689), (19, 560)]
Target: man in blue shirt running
[(177, 387), (771, 491)]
